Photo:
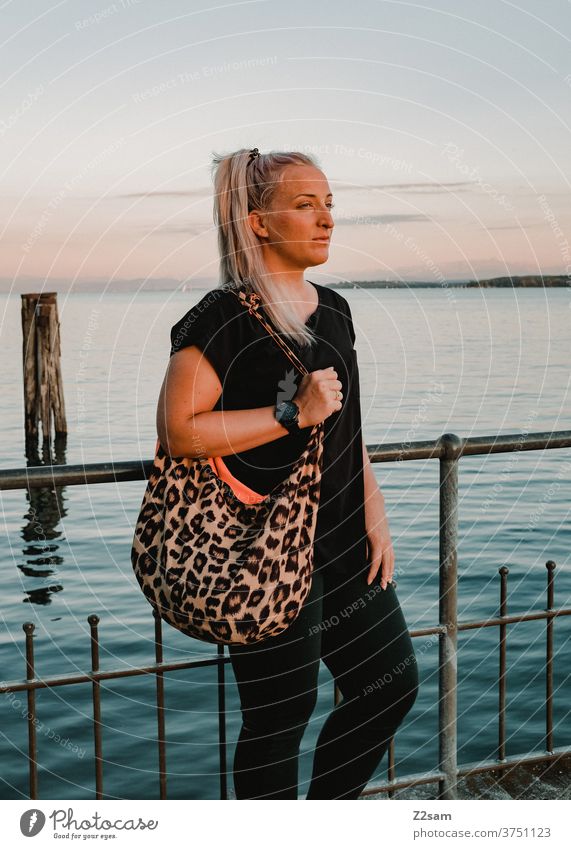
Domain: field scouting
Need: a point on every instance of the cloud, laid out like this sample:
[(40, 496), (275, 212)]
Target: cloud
[(172, 193), (406, 188), (509, 227), (193, 228), (431, 188), (388, 218)]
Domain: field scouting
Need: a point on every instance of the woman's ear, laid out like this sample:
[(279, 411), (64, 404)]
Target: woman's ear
[(256, 220)]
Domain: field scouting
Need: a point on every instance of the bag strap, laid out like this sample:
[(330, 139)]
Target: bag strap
[(251, 302)]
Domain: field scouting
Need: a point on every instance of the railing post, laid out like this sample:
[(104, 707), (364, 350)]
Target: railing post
[(29, 628), (222, 723), (448, 614), (93, 620), (550, 566), (161, 731), (504, 572)]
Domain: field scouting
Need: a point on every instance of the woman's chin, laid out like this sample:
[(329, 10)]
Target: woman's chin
[(319, 256)]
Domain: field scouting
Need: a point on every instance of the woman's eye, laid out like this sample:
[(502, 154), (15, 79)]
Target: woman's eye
[(307, 203)]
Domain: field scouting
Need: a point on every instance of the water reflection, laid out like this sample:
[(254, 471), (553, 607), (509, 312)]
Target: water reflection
[(42, 554)]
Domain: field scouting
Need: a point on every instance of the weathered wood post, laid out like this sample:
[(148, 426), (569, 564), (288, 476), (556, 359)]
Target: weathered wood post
[(43, 387)]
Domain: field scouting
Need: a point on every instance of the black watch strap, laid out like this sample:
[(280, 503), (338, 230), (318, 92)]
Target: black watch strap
[(290, 423), (292, 427)]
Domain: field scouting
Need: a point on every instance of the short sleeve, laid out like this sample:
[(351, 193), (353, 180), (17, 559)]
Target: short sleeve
[(211, 325)]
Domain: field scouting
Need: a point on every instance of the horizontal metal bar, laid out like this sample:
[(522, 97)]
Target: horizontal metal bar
[(515, 617), (100, 675), (426, 632), (131, 470), (62, 680), (466, 770), (514, 760), (406, 781), (88, 473), (496, 444)]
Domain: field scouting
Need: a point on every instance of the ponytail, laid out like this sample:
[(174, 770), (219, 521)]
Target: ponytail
[(242, 182)]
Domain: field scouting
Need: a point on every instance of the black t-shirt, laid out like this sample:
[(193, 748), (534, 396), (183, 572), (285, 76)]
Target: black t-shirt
[(255, 372)]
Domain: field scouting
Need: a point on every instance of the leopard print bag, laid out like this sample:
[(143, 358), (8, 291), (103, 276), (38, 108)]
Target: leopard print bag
[(216, 568)]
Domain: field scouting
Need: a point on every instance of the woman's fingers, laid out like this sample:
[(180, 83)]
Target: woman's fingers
[(385, 559), (380, 555), (377, 559), (388, 567)]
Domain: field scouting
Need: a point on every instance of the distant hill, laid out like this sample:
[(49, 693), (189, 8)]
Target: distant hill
[(527, 281), (392, 284), (171, 284)]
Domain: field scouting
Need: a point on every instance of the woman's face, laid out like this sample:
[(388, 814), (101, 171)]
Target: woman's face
[(297, 228)]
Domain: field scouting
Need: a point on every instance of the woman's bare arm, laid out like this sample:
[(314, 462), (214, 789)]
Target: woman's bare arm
[(186, 423)]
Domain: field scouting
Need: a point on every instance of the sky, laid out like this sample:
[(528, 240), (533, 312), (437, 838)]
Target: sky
[(443, 128)]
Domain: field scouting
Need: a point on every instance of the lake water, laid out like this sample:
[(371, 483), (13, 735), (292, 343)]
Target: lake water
[(472, 362)]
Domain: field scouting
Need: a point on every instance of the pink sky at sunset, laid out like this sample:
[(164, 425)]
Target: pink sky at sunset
[(444, 135)]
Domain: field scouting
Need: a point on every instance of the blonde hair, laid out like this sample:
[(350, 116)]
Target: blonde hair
[(239, 187)]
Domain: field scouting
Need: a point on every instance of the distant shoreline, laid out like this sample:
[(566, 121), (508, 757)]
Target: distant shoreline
[(525, 282), (171, 284)]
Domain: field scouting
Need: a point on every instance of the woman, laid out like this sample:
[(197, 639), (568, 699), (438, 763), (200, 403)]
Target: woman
[(223, 397)]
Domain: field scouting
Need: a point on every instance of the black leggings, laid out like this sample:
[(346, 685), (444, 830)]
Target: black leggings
[(360, 633)]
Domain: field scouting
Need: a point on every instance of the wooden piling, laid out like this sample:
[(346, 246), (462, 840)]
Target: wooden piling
[(43, 386)]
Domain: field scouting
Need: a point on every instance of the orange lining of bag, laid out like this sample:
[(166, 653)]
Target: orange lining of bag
[(243, 492)]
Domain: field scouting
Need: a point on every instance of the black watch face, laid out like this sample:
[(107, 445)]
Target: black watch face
[(287, 412)]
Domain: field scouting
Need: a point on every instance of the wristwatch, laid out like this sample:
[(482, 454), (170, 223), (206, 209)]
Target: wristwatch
[(287, 414)]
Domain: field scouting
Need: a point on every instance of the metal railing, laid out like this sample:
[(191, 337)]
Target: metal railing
[(448, 449)]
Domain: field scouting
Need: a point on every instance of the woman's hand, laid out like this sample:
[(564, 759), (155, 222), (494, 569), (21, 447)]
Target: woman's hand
[(318, 396), (379, 544)]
